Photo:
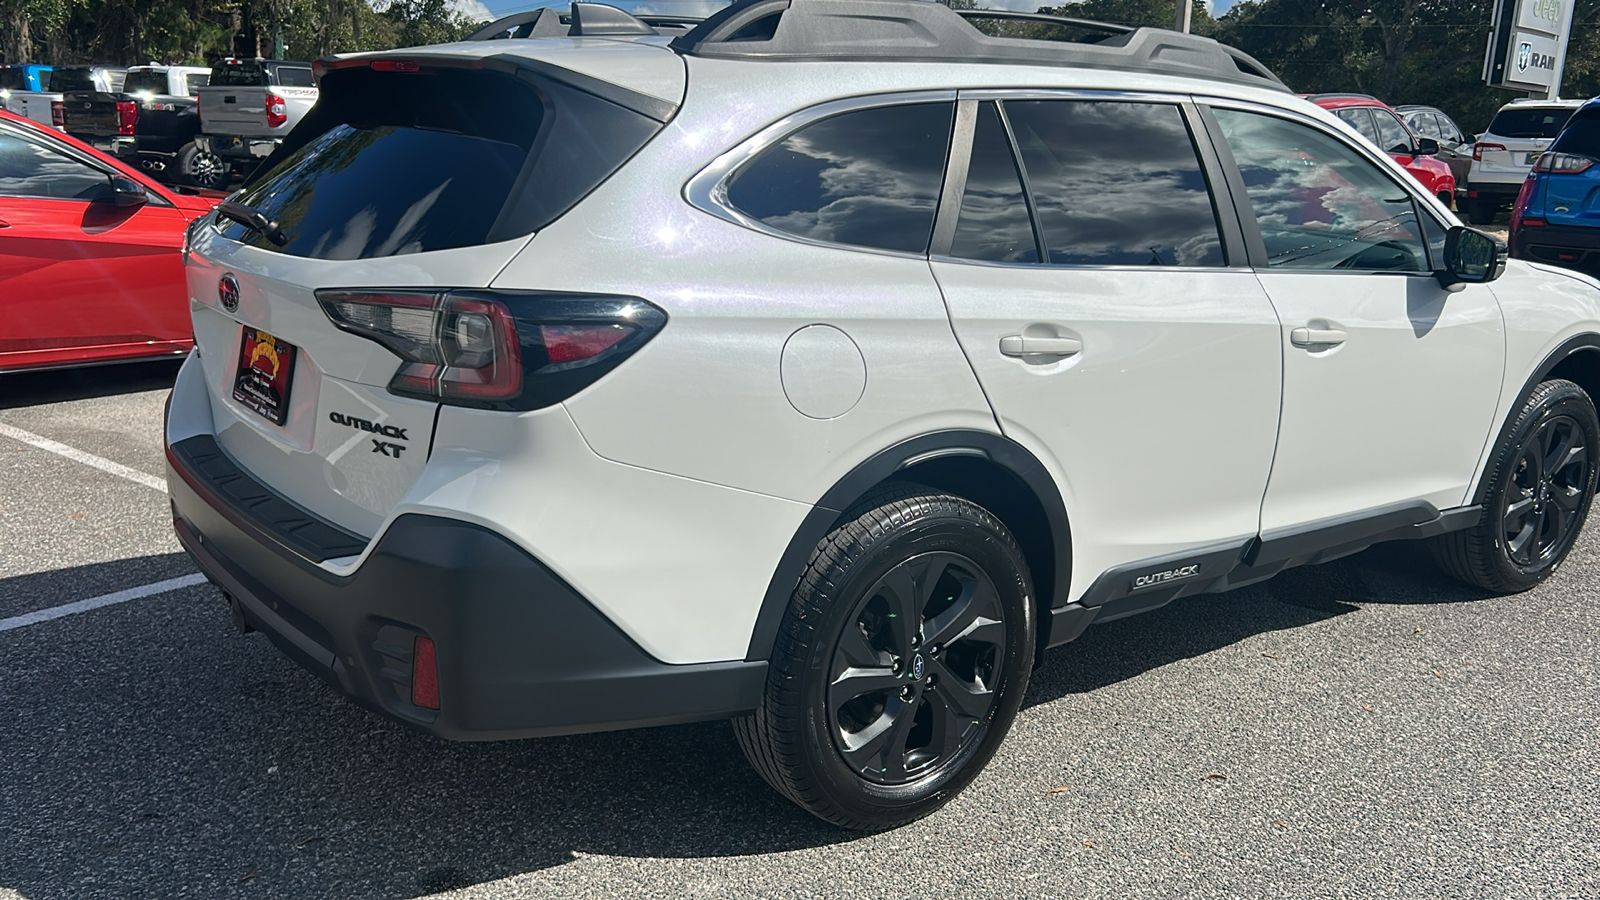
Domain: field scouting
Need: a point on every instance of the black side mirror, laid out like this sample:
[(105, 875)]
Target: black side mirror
[(1427, 147), (127, 192), (1472, 257)]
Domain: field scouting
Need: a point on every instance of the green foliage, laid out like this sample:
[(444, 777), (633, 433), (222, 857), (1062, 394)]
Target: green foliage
[(131, 32)]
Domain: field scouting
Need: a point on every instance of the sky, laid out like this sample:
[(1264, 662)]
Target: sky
[(484, 9)]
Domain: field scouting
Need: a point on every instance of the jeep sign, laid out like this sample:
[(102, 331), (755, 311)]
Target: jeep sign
[(1529, 45)]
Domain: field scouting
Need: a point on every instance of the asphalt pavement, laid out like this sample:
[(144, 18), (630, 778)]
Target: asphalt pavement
[(1358, 729)]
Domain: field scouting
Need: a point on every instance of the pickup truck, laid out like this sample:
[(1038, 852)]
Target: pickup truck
[(25, 90), (109, 120), (250, 105)]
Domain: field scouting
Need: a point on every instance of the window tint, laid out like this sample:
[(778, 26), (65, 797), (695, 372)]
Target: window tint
[(44, 80), (67, 80), (869, 178), (1452, 131), (1523, 122), (1320, 204), (154, 82), (1360, 119), (28, 169), (294, 76), (238, 74), (1582, 134), (390, 163), (196, 80), (1116, 183), (1425, 124), (13, 80), (1392, 134), (994, 223)]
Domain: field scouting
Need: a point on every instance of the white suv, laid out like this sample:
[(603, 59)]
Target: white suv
[(1519, 134), (818, 368)]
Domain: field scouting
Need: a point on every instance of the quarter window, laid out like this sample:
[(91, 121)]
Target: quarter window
[(869, 178), (28, 169), (1320, 204), (1116, 183), (994, 223), (1358, 118)]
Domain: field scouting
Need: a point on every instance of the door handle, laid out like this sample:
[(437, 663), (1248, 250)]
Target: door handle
[(1311, 337), (1027, 345)]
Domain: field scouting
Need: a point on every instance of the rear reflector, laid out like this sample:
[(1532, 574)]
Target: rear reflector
[(424, 674), (395, 65)]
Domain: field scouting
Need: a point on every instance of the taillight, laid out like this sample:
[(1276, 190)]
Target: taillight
[(496, 350), (58, 114), (277, 110), (127, 115), (1563, 163), (1477, 150), (1520, 207)]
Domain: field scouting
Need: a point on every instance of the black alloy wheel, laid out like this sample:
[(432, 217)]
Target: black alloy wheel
[(202, 169), (1541, 511), (1536, 494), (911, 681), (900, 663)]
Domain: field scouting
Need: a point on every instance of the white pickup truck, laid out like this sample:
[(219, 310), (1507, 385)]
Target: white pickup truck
[(250, 105)]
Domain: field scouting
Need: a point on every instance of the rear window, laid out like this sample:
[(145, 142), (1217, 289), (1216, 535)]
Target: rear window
[(154, 82), (1525, 122), (68, 80), (293, 76), (390, 163), (13, 80), (1582, 134), (196, 80), (239, 74)]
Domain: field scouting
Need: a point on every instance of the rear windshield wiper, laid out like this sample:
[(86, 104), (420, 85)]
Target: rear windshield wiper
[(250, 217)]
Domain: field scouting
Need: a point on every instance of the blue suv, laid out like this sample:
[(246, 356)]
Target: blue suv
[(1557, 215)]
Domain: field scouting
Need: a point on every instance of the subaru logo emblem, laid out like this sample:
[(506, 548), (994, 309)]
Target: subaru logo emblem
[(917, 667), (228, 292), (1524, 56)]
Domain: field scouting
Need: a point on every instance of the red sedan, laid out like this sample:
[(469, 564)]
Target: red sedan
[(91, 266), (1384, 127)]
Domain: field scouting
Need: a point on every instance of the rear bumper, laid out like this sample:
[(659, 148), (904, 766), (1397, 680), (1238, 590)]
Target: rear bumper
[(1497, 191), (1574, 247), (520, 653)]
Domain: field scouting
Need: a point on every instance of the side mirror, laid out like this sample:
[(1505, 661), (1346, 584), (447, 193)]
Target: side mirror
[(1471, 257), (1427, 147), (127, 192)]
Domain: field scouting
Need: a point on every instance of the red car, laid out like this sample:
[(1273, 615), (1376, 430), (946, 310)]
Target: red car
[(91, 255), (1383, 127)]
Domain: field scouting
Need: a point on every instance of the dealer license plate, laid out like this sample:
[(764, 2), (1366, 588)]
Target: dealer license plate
[(266, 370)]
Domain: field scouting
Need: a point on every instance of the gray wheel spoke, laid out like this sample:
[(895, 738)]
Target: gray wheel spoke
[(983, 631), (853, 683), (1518, 544), (949, 724), (943, 628), (857, 652), (972, 700), (1517, 511), (1568, 498), (903, 590)]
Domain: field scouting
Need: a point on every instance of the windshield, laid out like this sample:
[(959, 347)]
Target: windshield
[(1530, 122), (152, 82)]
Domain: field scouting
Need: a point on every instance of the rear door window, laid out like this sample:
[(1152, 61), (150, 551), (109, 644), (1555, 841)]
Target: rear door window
[(868, 178), (1523, 122), (1392, 134), (1116, 183), (395, 163)]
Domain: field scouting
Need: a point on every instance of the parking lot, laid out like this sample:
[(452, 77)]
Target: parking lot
[(1355, 729)]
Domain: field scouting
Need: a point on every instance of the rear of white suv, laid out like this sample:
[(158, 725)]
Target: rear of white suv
[(1519, 134)]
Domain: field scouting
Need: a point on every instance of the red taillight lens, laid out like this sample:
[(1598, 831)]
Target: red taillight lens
[(58, 114), (1477, 150), (424, 674), (277, 111), (395, 65), (496, 350), (127, 115), (1563, 163), (1521, 206)]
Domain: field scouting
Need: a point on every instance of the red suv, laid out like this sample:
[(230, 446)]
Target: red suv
[(1383, 127)]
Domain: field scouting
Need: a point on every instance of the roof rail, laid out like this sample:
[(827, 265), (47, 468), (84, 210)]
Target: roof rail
[(1337, 95), (582, 19), (917, 30)]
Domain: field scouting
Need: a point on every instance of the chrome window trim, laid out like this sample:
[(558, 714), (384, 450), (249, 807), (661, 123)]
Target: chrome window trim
[(707, 191)]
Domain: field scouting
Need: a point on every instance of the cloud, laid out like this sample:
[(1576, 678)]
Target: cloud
[(472, 9)]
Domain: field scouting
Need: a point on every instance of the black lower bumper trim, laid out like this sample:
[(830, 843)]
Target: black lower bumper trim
[(520, 653)]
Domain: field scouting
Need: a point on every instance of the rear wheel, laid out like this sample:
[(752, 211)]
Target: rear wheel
[(201, 168), (1541, 481), (1482, 212), (900, 664)]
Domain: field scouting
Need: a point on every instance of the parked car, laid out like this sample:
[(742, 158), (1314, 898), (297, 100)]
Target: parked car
[(1519, 134), (1455, 144), (722, 390), (1556, 218), (81, 80), (25, 91), (108, 120), (250, 105), (23, 78), (1375, 121), (90, 255)]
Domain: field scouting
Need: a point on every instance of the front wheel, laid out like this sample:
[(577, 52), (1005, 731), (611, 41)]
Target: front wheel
[(900, 664), (1541, 481)]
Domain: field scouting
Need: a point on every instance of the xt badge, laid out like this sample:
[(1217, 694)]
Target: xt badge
[(387, 449)]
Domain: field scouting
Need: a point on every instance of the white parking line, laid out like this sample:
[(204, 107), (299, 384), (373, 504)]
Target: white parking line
[(88, 459), (69, 609)]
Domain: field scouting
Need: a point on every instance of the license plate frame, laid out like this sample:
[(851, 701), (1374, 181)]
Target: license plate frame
[(264, 374)]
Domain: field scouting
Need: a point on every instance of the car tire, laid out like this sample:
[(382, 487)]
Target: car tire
[(924, 710), (1541, 481), (1482, 212), (201, 168)]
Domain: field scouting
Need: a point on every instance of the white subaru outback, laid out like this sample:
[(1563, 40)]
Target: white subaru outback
[(820, 366)]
